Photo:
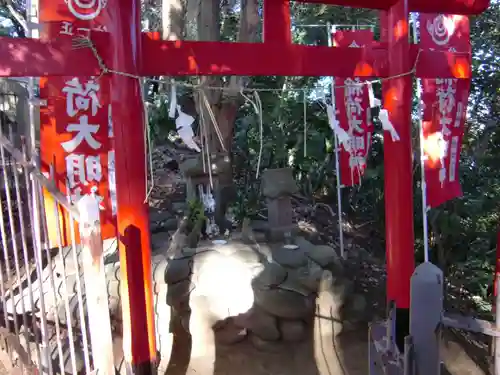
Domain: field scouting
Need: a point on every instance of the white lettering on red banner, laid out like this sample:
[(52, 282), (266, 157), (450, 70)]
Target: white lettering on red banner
[(75, 135), (81, 97), (112, 181), (355, 122), (68, 28), (351, 102), (445, 89), (444, 109), (82, 169)]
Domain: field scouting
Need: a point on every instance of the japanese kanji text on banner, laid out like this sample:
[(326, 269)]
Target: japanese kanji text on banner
[(76, 130), (444, 109), (352, 112)]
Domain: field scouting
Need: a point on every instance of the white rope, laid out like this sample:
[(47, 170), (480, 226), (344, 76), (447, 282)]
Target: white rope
[(205, 144), (147, 145), (257, 106), (300, 89), (173, 100), (85, 42), (213, 119)]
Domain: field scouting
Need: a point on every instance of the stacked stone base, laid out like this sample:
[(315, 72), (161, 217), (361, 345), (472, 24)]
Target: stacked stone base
[(242, 289), (265, 293)]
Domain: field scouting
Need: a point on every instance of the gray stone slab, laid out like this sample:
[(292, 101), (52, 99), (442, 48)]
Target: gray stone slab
[(383, 360), (425, 317)]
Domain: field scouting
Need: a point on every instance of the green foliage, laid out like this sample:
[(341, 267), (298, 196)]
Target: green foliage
[(195, 213), (461, 232), (160, 124)]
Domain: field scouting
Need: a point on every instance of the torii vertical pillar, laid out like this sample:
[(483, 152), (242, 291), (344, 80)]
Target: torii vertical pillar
[(397, 98), (133, 216), (277, 22)]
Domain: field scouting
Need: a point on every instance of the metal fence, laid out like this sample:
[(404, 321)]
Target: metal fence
[(54, 315)]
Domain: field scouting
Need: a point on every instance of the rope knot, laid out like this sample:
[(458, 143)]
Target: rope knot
[(85, 42)]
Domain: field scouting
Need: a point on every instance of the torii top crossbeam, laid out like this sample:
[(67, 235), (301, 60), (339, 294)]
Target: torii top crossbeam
[(28, 57), (424, 6), (125, 49)]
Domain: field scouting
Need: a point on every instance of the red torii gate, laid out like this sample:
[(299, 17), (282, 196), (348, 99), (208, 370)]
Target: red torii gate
[(125, 49)]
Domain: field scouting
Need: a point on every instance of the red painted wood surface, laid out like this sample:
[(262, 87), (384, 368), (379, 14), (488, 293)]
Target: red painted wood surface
[(277, 22), (139, 339), (27, 57), (496, 275), (398, 176), (466, 7)]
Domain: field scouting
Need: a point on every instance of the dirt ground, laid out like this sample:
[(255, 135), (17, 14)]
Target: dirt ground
[(319, 354), (347, 355)]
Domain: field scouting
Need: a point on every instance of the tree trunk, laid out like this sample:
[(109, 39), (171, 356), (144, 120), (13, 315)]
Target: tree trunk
[(224, 104), (173, 19)]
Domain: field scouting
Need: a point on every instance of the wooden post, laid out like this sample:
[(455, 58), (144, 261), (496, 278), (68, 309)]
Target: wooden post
[(95, 285), (139, 340), (277, 23), (496, 308), (398, 167)]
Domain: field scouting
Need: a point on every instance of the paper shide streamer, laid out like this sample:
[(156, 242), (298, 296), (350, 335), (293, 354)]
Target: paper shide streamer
[(183, 122)]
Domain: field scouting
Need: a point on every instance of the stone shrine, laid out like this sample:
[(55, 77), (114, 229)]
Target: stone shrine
[(277, 187)]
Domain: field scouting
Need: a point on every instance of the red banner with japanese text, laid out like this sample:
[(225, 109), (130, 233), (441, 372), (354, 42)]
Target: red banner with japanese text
[(352, 106), (75, 127), (444, 108)]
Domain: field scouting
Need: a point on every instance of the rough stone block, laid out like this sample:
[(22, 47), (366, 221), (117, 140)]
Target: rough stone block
[(280, 212), (284, 303), (293, 330), (280, 234), (290, 256), (278, 182), (262, 324), (193, 167)]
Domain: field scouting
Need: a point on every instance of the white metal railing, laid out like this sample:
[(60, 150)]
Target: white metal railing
[(53, 298)]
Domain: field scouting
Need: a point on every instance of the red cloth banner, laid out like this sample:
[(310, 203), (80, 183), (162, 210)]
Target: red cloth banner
[(352, 104), (75, 126), (444, 109)]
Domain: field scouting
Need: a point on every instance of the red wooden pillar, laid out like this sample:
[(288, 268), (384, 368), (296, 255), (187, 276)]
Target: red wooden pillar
[(497, 269), (277, 21), (397, 95), (133, 216)]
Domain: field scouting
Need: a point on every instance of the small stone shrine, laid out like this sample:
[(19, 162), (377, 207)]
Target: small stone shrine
[(277, 187), (195, 172)]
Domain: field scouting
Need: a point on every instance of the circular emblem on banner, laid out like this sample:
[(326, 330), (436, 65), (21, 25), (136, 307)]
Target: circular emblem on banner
[(441, 29), (86, 10)]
